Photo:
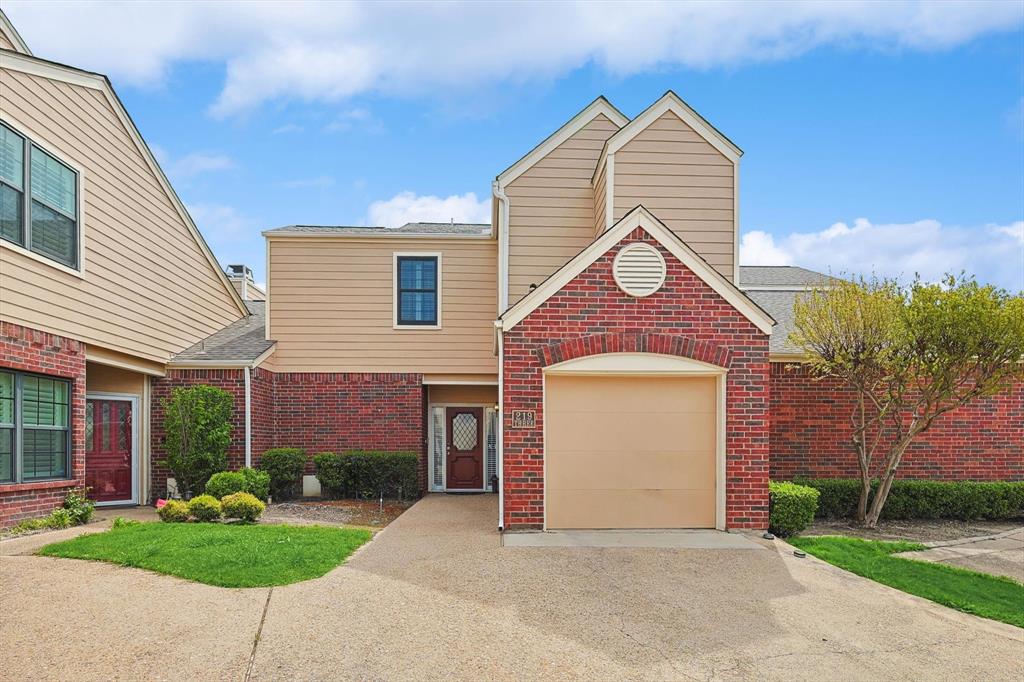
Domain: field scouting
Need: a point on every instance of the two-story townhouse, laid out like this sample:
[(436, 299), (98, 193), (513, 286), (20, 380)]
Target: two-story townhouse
[(104, 278)]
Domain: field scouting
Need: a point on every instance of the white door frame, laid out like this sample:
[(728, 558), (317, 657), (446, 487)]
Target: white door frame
[(444, 462), (651, 365), (134, 400)]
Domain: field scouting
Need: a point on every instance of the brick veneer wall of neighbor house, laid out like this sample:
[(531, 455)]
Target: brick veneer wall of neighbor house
[(317, 412), (810, 434), (685, 317), (30, 350)]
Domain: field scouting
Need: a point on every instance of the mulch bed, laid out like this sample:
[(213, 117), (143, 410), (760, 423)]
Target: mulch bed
[(367, 513), (915, 530)]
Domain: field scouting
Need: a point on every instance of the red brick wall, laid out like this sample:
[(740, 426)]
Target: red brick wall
[(314, 411), (810, 434), (29, 350), (686, 318)]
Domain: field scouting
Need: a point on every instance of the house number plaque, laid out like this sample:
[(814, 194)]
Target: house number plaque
[(524, 419)]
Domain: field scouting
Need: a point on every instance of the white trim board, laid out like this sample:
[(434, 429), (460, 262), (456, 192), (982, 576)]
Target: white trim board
[(638, 217), (596, 108), (12, 34), (24, 63)]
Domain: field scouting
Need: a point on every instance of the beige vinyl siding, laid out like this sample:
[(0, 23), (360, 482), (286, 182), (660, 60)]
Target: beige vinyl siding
[(600, 200), (331, 307), (551, 208), (6, 43), (147, 288), (685, 182)]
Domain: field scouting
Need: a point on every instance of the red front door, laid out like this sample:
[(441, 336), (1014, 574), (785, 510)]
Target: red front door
[(108, 449), (465, 463)]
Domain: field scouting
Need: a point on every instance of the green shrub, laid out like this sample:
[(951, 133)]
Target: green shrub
[(60, 518), (29, 525), (197, 421), (225, 483), (914, 499), (121, 522), (257, 483), (285, 466), (175, 511), (368, 473), (791, 507), (79, 506), (204, 508), (242, 506)]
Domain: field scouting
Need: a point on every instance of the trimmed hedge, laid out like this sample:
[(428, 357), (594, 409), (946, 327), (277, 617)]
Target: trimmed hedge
[(242, 506), (917, 499), (204, 508), (174, 511), (285, 466), (253, 481), (368, 473), (791, 507)]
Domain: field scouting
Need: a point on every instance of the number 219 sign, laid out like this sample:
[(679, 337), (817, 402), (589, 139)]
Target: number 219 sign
[(524, 419)]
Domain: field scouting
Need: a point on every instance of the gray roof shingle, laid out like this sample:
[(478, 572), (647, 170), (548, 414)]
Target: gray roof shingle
[(242, 341), (431, 229), (787, 283), (780, 275)]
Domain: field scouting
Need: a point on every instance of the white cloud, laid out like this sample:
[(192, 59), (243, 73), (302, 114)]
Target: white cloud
[(329, 51), (360, 119), (219, 222), (408, 207), (993, 253), (287, 128), (191, 164)]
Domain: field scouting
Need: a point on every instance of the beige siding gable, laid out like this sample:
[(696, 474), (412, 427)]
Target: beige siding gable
[(551, 207), (9, 37), (684, 180), (147, 287)]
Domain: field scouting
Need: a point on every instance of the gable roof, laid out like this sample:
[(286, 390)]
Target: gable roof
[(599, 106), (11, 33), (26, 63), (638, 217), (781, 278)]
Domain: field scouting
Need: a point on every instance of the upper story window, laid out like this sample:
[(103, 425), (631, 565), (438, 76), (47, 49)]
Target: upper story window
[(417, 290), (35, 427), (38, 200)]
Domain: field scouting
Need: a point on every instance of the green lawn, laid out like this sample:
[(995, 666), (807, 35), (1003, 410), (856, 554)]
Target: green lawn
[(985, 595), (226, 555)]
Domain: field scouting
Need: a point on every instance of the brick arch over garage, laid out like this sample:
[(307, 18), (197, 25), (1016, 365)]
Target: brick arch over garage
[(631, 342)]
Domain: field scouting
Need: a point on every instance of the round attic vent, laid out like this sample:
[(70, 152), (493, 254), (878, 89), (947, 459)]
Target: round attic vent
[(639, 270)]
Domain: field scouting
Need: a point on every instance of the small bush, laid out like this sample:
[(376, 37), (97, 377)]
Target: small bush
[(29, 525), (79, 506), (914, 499), (197, 424), (368, 473), (791, 507), (174, 511), (242, 506), (121, 522), (257, 483), (60, 518), (225, 483), (204, 508), (285, 466)]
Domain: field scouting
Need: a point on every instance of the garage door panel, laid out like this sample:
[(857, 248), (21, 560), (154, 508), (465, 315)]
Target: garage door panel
[(617, 432), (589, 470), (635, 394), (632, 508), (630, 451)]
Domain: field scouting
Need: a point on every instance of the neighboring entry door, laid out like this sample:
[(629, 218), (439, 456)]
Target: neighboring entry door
[(108, 449), (465, 446)]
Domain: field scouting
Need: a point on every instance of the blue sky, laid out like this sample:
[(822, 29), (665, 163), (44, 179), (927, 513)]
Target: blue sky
[(885, 138)]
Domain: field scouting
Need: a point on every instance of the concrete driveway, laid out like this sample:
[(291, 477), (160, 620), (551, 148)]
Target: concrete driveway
[(434, 596)]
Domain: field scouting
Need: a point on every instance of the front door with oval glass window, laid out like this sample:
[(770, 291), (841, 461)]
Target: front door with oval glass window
[(465, 457)]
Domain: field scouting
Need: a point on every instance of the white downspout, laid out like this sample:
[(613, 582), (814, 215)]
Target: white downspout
[(248, 417), (501, 425), (499, 194)]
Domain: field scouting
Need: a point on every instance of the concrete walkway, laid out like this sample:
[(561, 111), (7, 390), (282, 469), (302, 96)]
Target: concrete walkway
[(435, 596), (1001, 554)]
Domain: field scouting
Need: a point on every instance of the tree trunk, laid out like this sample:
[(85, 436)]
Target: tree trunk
[(862, 503), (892, 463)]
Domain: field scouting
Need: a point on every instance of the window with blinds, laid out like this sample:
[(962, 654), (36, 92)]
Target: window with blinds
[(38, 200)]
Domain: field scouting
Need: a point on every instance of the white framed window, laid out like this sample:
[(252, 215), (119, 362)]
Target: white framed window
[(40, 200), (417, 290)]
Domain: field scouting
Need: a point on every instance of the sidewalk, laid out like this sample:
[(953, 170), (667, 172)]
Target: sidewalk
[(1001, 554)]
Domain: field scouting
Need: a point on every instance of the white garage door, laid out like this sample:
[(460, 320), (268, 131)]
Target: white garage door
[(630, 451)]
